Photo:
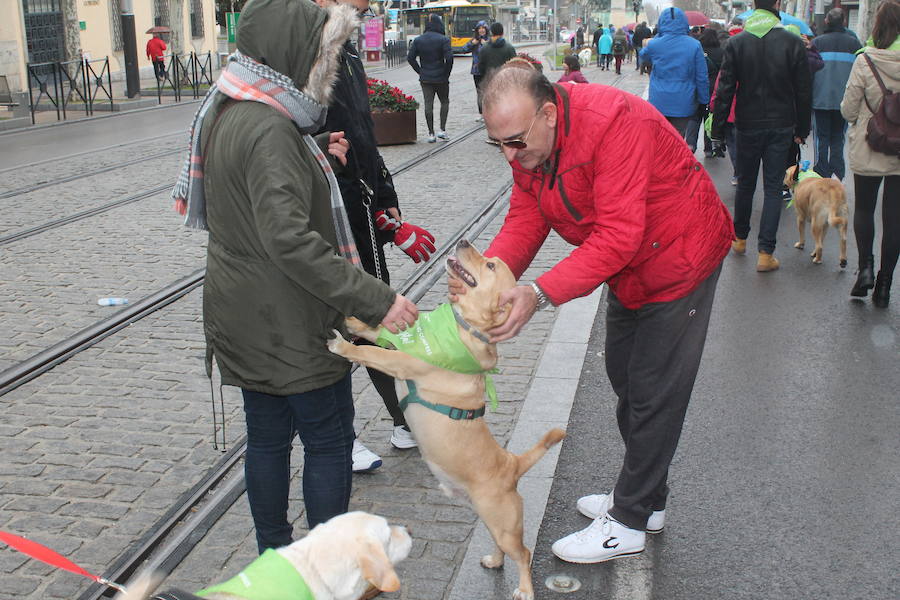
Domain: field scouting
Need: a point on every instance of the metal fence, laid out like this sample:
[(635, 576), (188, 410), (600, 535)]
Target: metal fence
[(185, 74), (65, 85), (395, 53)]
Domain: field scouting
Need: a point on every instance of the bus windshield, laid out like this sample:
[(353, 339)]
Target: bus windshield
[(467, 18)]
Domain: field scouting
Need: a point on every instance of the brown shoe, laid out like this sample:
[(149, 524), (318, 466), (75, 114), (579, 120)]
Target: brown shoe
[(766, 262), (739, 246)]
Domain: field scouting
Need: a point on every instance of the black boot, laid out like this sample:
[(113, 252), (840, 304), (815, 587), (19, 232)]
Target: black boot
[(866, 278), (881, 295)]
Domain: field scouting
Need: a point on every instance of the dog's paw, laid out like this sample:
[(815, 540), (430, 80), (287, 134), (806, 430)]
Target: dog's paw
[(799, 245), (337, 344), (489, 561), (843, 263), (816, 259), (520, 595), (355, 326)]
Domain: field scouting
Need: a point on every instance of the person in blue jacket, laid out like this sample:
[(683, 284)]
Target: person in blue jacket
[(604, 50), (431, 57), (482, 35), (678, 82)]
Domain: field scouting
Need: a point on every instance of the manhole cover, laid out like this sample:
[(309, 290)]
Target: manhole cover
[(563, 584)]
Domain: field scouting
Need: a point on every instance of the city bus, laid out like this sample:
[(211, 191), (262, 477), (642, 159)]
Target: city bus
[(459, 16)]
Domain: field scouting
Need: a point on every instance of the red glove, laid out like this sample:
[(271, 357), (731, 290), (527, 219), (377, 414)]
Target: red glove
[(418, 243)]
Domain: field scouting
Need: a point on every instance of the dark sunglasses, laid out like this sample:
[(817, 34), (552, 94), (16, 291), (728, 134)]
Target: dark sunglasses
[(517, 143)]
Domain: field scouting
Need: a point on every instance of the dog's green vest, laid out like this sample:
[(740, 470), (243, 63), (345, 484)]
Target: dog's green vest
[(269, 577), (434, 338)]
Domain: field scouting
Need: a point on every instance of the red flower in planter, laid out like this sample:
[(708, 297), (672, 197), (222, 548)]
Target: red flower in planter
[(383, 97)]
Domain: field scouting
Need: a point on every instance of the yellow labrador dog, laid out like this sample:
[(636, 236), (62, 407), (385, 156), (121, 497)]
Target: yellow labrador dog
[(460, 450), (823, 202), (349, 557)]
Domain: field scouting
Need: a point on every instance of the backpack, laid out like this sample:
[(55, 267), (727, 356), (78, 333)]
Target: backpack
[(883, 131), (618, 47)]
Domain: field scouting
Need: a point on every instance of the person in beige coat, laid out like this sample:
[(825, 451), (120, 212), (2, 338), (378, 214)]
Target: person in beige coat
[(869, 167)]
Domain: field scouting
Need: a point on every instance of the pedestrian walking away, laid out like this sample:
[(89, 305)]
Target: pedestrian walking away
[(282, 268), (872, 168), (595, 43), (431, 57), (474, 46), (766, 73), (837, 48), (641, 33), (658, 246), (156, 49), (619, 48), (678, 82), (373, 211), (604, 48)]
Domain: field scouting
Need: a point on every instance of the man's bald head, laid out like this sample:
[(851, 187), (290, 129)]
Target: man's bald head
[(508, 81)]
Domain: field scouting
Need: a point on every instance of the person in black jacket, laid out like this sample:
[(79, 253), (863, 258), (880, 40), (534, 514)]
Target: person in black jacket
[(495, 53), (641, 33), (709, 41), (765, 72), (370, 200), (431, 57)]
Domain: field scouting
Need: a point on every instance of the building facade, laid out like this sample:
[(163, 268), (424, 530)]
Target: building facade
[(46, 31)]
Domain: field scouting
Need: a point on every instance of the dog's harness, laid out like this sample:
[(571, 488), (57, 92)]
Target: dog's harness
[(269, 577), (434, 338)]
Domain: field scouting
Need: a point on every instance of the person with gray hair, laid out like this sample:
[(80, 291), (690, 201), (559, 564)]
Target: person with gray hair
[(838, 47), (658, 246)]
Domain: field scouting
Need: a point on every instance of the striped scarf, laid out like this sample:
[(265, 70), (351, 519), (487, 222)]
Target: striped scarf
[(245, 79)]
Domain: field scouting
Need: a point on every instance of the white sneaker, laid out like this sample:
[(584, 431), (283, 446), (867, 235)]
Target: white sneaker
[(442, 135), (604, 539), (364, 460), (596, 505), (431, 138), (402, 438)]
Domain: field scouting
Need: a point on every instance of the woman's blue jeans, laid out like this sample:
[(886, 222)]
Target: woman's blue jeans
[(323, 419)]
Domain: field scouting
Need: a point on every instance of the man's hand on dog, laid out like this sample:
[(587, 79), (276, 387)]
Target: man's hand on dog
[(521, 303), (402, 314)]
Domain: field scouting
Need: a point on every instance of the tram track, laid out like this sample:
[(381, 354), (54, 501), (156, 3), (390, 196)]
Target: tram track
[(49, 225), (197, 510)]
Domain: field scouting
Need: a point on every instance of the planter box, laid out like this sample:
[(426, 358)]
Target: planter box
[(395, 127)]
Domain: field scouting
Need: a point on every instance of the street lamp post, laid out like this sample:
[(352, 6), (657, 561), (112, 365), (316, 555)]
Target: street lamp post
[(129, 45)]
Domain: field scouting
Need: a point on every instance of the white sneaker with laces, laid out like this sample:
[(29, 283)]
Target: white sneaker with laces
[(364, 460), (402, 438), (604, 539), (431, 138), (599, 504), (442, 135)]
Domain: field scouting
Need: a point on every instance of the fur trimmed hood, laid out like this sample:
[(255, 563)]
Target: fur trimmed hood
[(299, 39)]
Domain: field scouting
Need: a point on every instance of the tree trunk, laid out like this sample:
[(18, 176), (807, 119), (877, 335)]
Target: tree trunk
[(176, 16), (71, 31)]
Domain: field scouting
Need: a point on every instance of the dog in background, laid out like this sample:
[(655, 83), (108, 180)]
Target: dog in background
[(821, 201), (349, 557), (461, 452)]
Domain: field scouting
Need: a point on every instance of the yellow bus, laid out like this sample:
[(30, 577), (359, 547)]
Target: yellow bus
[(459, 16)]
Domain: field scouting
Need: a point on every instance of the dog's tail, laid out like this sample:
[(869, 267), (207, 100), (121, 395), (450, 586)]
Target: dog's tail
[(527, 459), (835, 218)]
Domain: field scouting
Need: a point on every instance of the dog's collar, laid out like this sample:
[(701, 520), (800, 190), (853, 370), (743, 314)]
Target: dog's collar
[(478, 335), (269, 577), (457, 414)]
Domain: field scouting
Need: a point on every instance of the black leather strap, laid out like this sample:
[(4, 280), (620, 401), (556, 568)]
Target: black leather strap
[(176, 594)]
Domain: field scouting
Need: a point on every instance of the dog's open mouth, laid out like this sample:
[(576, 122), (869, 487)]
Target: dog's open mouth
[(454, 267)]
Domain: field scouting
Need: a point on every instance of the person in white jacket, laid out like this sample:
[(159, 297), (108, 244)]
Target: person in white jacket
[(862, 97)]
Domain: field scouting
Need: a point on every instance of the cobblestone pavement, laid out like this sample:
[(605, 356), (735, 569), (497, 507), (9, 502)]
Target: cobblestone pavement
[(96, 450)]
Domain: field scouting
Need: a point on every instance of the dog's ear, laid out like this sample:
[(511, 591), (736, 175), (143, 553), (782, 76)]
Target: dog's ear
[(376, 567)]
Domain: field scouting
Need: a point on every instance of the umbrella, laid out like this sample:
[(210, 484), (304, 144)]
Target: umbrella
[(159, 29), (786, 19), (695, 18)]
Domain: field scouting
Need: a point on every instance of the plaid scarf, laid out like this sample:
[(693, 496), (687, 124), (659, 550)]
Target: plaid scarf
[(245, 79)]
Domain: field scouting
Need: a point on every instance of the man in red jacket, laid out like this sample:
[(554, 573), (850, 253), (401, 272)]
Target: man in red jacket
[(609, 174), (156, 48)]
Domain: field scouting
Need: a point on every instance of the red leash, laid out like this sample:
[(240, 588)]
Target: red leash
[(45, 554)]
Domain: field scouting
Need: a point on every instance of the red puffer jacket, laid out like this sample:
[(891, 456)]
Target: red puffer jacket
[(624, 188)]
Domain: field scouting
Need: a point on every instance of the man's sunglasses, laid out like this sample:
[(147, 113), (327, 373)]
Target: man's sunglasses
[(517, 143)]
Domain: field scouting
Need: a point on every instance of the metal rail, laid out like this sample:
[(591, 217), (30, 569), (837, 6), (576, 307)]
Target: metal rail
[(25, 233), (125, 163)]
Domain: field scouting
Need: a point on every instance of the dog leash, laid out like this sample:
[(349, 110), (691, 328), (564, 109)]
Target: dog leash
[(52, 558)]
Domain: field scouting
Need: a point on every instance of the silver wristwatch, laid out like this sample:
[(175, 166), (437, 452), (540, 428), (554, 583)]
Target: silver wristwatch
[(542, 300)]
